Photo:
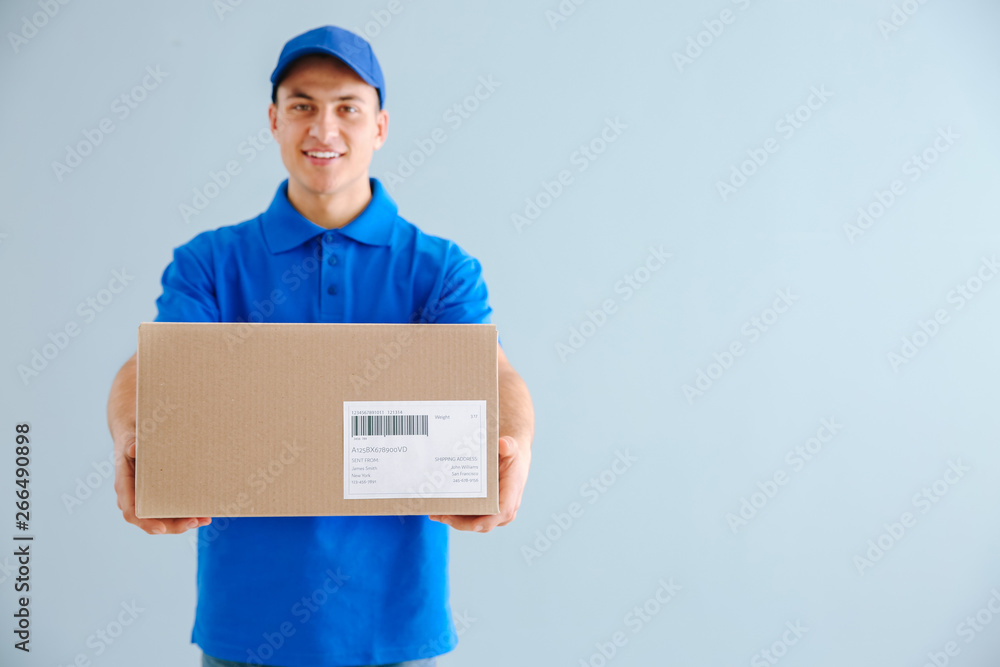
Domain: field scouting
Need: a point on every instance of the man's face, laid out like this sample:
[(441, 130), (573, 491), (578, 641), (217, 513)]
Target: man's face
[(324, 106)]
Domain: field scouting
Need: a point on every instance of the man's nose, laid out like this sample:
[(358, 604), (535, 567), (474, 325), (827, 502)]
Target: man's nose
[(325, 125)]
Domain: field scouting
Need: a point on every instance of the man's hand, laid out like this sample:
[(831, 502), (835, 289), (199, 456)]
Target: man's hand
[(121, 423), (125, 488), (513, 469)]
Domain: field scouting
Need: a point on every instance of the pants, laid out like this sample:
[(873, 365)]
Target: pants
[(209, 661)]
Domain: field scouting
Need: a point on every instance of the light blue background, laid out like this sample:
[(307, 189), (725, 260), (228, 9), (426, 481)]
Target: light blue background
[(665, 517)]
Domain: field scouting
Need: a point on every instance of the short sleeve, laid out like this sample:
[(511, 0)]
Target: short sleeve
[(461, 296), (188, 290)]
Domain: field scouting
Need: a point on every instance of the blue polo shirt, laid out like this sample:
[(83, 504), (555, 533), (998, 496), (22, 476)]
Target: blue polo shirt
[(326, 590)]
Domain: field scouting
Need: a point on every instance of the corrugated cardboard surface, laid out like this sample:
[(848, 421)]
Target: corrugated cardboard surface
[(219, 403)]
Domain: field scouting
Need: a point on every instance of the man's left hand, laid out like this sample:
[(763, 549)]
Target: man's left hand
[(513, 468)]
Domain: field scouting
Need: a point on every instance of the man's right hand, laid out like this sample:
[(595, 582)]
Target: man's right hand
[(125, 488)]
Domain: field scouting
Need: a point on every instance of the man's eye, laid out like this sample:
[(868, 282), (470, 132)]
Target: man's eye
[(351, 108), (301, 106)]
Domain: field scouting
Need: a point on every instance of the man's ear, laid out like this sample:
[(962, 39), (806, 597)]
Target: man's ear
[(272, 115), (382, 122)]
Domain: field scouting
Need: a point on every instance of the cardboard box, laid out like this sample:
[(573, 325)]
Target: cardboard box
[(267, 419)]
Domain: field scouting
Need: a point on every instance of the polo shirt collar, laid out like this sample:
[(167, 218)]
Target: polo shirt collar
[(285, 228)]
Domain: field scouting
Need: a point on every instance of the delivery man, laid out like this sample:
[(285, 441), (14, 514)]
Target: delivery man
[(326, 590)]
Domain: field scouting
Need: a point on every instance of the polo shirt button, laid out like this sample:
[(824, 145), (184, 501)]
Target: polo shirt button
[(332, 260), (328, 237), (332, 289)]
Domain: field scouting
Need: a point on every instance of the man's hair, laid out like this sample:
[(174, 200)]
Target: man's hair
[(285, 73)]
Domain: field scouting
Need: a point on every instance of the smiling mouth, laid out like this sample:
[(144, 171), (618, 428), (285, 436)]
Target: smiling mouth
[(322, 156)]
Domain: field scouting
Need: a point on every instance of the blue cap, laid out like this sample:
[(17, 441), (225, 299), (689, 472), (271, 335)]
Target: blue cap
[(344, 44)]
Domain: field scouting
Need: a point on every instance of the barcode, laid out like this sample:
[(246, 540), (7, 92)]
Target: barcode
[(389, 424)]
